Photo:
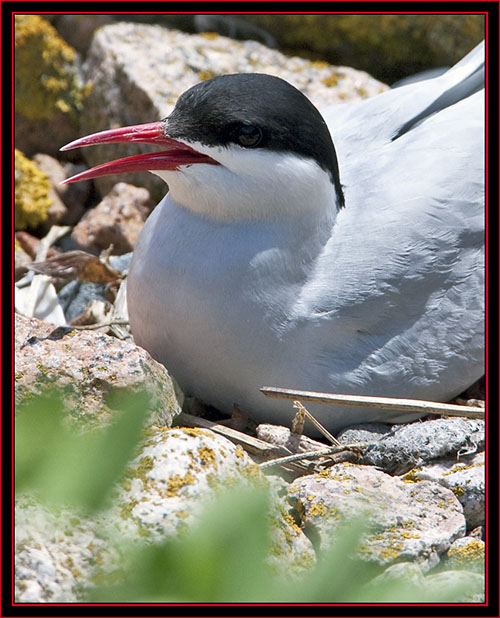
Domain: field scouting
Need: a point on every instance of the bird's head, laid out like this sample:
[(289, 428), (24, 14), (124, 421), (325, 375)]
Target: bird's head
[(247, 146)]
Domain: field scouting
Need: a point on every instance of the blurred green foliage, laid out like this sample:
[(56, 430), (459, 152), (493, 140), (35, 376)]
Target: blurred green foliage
[(222, 559), (65, 467)]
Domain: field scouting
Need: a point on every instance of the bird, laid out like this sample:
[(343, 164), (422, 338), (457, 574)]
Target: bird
[(338, 251)]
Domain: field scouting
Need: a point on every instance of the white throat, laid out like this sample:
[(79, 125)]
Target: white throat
[(252, 185)]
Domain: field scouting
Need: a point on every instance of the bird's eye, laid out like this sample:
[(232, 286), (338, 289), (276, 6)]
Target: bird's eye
[(249, 136)]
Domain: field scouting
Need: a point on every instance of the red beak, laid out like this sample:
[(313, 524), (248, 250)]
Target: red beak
[(177, 153)]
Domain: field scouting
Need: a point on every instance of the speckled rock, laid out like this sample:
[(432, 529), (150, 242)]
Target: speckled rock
[(138, 71), (162, 494), (416, 444), (466, 553), (178, 471), (409, 521), (87, 367), (116, 220), (363, 432), (56, 553), (465, 478)]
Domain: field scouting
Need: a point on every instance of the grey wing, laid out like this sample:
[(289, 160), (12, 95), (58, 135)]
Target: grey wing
[(398, 292)]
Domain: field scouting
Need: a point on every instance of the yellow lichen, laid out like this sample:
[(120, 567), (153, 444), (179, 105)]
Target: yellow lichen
[(204, 75), (290, 521), (177, 482), (318, 509), (45, 76), (330, 81), (460, 467), (472, 552), (31, 193), (209, 35), (126, 509), (411, 476), (458, 490), (207, 456), (194, 431), (390, 554), (409, 535)]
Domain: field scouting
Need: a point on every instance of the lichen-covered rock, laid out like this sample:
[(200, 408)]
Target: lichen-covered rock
[(415, 444), (387, 46), (466, 479), (87, 367), (467, 553), (406, 522), (174, 475), (178, 472), (31, 193), (56, 552), (48, 90)]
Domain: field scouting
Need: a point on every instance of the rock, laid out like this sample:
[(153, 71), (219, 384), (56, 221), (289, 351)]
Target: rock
[(467, 553), (87, 367), (78, 30), (21, 262), (31, 193), (117, 220), (363, 432), (408, 522), (387, 46), (76, 295), (177, 472), (459, 586), (465, 478), (68, 201), (180, 470), (131, 87), (56, 553), (55, 173), (466, 583), (48, 88), (163, 492), (414, 444)]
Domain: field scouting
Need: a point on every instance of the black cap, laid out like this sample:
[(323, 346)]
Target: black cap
[(255, 110)]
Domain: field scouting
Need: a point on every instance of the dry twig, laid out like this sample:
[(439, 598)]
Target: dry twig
[(390, 403)]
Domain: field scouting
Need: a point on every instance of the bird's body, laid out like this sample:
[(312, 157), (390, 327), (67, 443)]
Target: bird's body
[(253, 272)]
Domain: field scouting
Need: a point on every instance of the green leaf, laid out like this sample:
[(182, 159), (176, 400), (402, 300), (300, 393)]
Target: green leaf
[(66, 467)]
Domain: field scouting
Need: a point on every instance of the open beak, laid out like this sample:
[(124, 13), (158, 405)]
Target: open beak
[(177, 153)]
